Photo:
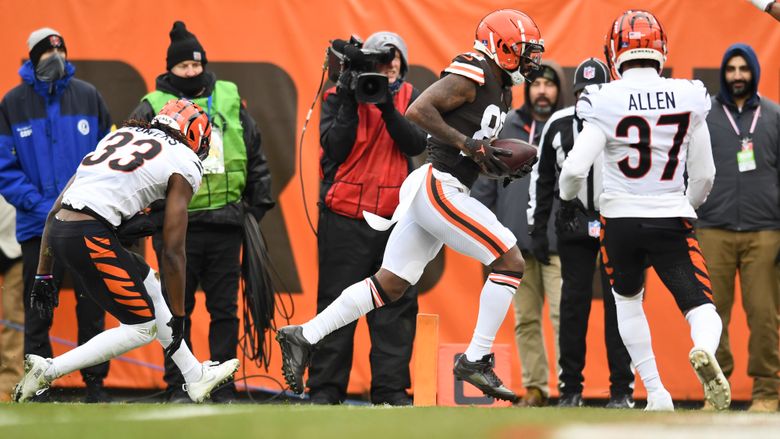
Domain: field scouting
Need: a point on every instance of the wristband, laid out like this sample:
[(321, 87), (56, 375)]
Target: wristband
[(44, 277), (763, 5)]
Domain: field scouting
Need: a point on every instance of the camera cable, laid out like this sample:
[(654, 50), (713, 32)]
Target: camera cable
[(303, 134)]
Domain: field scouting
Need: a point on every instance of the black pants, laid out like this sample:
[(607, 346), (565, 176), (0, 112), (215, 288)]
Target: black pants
[(349, 251), (213, 262), (578, 262), (111, 275), (669, 245), (90, 317)]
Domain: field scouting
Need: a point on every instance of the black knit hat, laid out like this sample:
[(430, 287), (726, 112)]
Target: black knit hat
[(184, 47), (42, 40), (590, 71)]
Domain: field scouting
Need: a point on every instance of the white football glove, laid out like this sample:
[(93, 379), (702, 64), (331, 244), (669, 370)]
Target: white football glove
[(762, 4)]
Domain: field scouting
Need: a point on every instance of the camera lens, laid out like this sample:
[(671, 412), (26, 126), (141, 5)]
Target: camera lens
[(370, 87)]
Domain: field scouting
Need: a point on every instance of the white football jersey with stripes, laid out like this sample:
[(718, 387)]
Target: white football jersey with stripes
[(648, 122), (129, 170)]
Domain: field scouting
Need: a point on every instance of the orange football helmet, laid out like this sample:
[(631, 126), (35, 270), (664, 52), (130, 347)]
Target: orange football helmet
[(635, 35), (511, 39), (189, 118)]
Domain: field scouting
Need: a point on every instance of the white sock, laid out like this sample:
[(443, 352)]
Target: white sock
[(355, 301), (108, 344), (189, 366), (635, 332), (494, 302), (706, 327)]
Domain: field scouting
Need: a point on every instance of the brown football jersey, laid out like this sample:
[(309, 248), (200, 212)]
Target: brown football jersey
[(481, 119)]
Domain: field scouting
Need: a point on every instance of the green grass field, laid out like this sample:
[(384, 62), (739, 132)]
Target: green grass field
[(145, 421)]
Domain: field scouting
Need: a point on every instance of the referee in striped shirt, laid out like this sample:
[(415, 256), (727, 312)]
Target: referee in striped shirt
[(577, 226)]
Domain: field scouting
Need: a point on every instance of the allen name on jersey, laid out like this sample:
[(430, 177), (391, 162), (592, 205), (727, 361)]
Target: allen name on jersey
[(660, 100)]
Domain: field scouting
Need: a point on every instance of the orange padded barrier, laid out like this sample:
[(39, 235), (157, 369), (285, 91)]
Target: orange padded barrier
[(426, 356), (290, 36)]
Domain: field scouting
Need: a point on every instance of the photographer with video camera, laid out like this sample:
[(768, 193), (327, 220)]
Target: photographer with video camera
[(366, 148)]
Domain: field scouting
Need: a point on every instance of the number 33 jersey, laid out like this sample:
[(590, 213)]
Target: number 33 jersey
[(653, 128), (129, 170)]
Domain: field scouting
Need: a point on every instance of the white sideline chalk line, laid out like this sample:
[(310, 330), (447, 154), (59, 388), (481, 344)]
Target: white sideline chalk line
[(183, 413), (161, 414)]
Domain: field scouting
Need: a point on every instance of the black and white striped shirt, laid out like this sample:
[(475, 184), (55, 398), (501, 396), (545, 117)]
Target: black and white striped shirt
[(557, 140)]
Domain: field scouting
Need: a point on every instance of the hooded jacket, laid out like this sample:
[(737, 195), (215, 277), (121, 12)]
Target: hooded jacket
[(510, 203), (257, 192), (743, 201), (43, 137)]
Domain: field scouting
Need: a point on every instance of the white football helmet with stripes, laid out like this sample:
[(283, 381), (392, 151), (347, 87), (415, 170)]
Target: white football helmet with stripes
[(511, 39)]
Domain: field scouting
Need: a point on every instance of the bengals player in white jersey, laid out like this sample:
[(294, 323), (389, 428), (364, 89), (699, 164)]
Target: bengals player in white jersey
[(463, 111), (651, 130), (129, 169)]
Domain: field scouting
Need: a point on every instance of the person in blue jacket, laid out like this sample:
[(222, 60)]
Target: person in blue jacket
[(48, 123)]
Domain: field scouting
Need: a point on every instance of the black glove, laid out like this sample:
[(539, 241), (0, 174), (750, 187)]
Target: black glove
[(44, 297), (520, 173), (136, 227), (257, 212), (177, 326), (566, 221), (344, 84), (487, 156), (540, 247), (524, 170), (386, 106)]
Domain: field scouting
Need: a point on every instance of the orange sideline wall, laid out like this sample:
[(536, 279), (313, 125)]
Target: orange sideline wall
[(292, 35)]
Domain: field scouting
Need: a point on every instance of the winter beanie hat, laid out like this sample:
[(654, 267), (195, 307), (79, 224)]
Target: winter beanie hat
[(42, 40), (184, 47)]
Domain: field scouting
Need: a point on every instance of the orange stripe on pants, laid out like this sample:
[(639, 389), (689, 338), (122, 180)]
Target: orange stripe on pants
[(698, 261), (112, 270), (465, 218), (119, 287)]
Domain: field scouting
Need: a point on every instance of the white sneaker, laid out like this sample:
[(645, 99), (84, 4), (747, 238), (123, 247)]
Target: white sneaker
[(214, 374), (34, 381), (660, 401), (716, 387)]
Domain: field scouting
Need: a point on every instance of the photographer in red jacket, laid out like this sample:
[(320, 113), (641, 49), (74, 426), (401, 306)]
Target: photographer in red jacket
[(365, 156)]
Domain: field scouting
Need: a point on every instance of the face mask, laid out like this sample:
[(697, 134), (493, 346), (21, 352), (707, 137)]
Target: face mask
[(188, 86), (51, 69)]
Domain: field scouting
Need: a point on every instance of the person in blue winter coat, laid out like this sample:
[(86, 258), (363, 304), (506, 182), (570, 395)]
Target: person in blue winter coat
[(48, 123)]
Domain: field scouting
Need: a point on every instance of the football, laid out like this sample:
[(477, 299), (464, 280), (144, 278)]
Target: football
[(522, 152)]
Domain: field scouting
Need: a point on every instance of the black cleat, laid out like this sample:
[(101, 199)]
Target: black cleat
[(96, 393), (480, 374), (621, 402), (570, 400), (296, 355)]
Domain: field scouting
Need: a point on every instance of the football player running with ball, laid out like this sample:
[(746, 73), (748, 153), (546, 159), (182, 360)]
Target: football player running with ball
[(130, 168), (462, 112), (651, 130)]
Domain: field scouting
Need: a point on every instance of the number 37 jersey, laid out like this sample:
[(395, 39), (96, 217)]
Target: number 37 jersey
[(129, 170), (651, 125)]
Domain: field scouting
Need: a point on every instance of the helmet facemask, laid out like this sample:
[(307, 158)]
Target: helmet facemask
[(530, 61), (205, 142)]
